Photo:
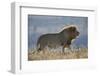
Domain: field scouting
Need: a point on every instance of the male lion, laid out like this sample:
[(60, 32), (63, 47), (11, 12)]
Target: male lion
[(62, 39)]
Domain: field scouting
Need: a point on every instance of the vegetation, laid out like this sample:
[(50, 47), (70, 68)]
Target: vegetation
[(53, 55)]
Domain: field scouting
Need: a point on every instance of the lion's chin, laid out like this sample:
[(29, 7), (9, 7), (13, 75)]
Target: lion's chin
[(77, 36)]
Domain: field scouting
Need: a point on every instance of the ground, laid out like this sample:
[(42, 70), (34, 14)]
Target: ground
[(53, 55)]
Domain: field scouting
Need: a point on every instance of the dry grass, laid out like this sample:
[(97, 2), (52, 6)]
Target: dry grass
[(53, 55)]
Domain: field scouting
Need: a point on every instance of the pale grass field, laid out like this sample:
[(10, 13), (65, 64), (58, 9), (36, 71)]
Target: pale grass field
[(53, 55)]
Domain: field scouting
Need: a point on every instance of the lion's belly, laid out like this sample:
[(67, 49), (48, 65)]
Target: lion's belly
[(53, 43)]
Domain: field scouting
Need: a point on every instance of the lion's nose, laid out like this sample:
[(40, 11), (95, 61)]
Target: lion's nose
[(78, 33)]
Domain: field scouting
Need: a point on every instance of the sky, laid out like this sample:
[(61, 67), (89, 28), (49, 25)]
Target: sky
[(43, 24)]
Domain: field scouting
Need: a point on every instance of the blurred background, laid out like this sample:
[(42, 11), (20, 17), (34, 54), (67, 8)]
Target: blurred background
[(44, 24)]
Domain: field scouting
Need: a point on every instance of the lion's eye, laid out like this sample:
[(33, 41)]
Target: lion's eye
[(72, 28)]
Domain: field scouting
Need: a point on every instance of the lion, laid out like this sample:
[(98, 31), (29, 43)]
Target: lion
[(61, 39)]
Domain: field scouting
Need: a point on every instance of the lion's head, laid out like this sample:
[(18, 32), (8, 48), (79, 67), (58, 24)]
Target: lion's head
[(70, 32)]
